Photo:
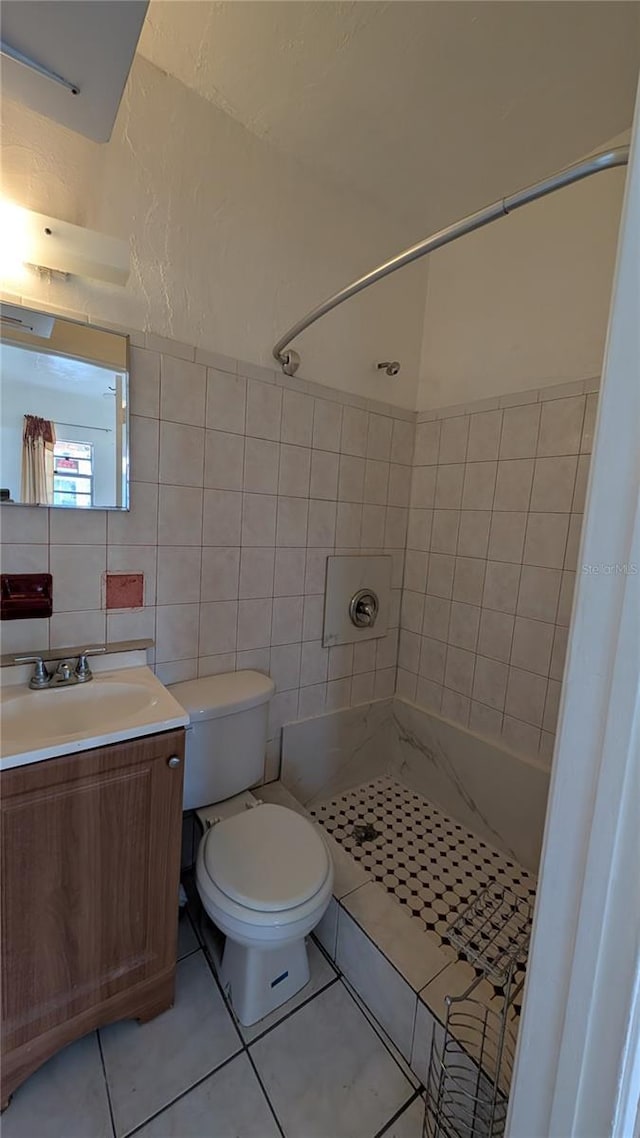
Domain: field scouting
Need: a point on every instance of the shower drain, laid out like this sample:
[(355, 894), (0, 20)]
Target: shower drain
[(366, 833)]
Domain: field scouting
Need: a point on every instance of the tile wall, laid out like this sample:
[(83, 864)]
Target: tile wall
[(242, 482), (497, 498)]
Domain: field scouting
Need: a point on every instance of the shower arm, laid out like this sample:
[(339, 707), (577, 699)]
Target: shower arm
[(289, 359)]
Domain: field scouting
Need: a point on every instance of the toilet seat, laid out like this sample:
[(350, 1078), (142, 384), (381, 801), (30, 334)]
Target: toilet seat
[(267, 859)]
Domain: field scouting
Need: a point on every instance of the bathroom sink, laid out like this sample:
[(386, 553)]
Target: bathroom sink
[(113, 706)]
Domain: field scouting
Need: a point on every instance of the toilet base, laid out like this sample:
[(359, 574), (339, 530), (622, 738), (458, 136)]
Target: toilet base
[(259, 980)]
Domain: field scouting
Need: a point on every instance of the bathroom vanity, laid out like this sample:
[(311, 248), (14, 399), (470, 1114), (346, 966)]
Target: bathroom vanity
[(90, 873)]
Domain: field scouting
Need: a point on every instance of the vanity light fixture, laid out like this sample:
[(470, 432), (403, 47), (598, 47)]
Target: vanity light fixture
[(29, 238)]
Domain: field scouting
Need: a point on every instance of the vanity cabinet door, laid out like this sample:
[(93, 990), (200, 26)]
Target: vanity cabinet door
[(90, 876)]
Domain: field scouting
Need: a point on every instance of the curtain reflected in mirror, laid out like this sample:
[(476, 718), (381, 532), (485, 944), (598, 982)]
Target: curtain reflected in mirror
[(38, 441), (64, 421)]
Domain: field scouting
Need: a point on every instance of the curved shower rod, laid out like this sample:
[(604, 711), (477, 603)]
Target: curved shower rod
[(606, 160)]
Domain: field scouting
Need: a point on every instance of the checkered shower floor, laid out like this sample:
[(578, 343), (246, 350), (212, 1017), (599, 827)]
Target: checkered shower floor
[(429, 863)]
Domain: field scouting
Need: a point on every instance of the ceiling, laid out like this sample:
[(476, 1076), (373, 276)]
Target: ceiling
[(430, 109)]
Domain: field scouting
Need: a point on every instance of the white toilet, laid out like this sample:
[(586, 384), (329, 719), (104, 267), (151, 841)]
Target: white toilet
[(263, 872)]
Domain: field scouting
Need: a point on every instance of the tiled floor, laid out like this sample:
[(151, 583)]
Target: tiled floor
[(316, 1068), (426, 861)]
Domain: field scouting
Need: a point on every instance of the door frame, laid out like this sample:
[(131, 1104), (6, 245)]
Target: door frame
[(577, 1071)]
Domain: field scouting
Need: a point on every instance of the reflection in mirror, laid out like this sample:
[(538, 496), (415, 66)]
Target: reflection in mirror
[(64, 412)]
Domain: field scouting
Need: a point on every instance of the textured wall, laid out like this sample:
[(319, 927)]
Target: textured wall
[(241, 487), (524, 302), (494, 527), (230, 241)]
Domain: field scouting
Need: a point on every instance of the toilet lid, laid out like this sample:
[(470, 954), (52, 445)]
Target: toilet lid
[(266, 858)]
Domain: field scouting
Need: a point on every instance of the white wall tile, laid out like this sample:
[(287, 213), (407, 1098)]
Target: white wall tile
[(72, 527), (182, 391), (513, 484), (553, 484), (532, 644), (144, 382), (314, 663), (449, 481), (73, 628), (254, 623), (178, 573), (321, 523), (261, 464), (224, 460), (77, 576), (427, 443), (437, 611), (286, 625), (295, 466), (473, 535), (355, 425), (264, 410), (484, 436), (525, 696), (453, 439), (561, 426), (324, 474), (259, 519), (379, 437), (180, 515), (218, 627), (402, 440), (539, 593), (520, 426), (256, 573), (139, 524), (226, 401), (546, 540), (506, 539), (222, 517), (495, 634), (292, 521), (289, 572), (297, 418), (220, 569), (479, 485), (327, 425), (490, 682), (182, 454), (176, 632)]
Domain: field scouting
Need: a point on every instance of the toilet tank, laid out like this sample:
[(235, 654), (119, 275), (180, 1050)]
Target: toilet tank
[(227, 734)]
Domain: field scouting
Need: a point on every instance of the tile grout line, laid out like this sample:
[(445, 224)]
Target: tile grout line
[(398, 1114), (106, 1083)]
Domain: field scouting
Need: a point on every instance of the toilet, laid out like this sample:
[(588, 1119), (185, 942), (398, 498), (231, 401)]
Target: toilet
[(263, 872)]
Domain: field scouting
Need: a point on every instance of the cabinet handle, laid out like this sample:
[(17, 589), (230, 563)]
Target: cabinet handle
[(174, 761)]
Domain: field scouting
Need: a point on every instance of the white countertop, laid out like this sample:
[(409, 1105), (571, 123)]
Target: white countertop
[(119, 703)]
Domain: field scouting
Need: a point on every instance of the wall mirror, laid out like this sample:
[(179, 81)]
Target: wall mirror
[(64, 399)]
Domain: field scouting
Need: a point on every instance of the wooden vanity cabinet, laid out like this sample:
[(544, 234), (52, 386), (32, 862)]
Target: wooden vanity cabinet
[(90, 847)]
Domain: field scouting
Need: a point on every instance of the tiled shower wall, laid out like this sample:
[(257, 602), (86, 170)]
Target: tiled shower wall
[(494, 526), (242, 482)]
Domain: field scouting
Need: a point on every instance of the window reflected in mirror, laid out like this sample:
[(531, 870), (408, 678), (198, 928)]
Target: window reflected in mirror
[(64, 413)]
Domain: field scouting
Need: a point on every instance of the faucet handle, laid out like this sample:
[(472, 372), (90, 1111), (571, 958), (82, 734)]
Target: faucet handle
[(40, 677), (83, 671)]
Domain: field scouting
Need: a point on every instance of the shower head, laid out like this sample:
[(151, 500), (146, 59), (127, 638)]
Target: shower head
[(392, 367)]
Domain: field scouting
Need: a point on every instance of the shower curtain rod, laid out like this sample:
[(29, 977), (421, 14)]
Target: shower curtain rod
[(606, 160)]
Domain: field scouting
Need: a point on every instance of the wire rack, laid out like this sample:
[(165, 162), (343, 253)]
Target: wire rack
[(471, 1057)]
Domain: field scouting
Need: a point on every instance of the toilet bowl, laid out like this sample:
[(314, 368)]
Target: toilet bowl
[(263, 872), (265, 879)]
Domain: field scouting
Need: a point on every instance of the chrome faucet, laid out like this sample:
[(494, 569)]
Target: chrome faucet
[(63, 676)]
